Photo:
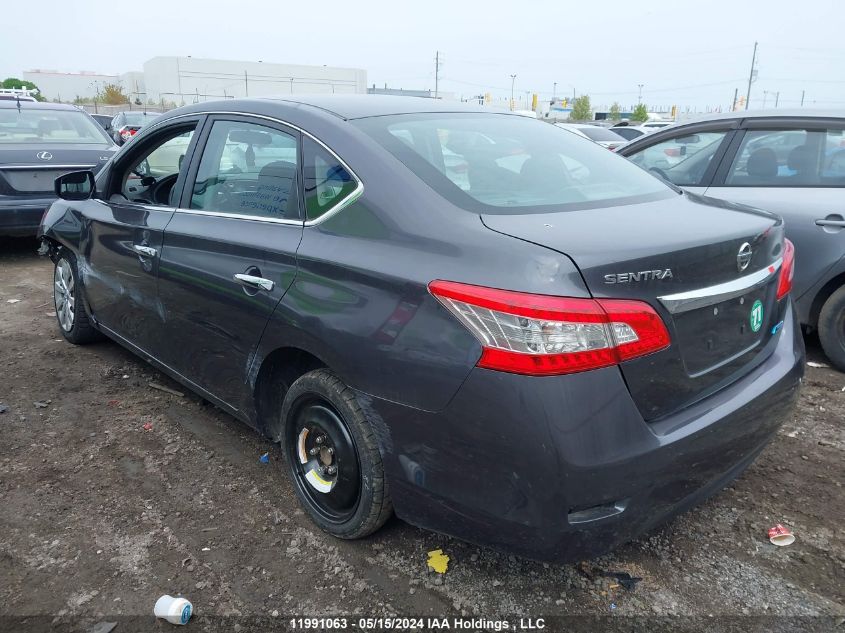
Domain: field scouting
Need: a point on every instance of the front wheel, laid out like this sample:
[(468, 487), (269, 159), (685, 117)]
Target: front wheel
[(73, 322), (333, 457), (832, 328)]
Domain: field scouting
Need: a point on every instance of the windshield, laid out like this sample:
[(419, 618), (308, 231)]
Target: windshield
[(49, 126), (139, 118), (497, 163), (600, 134)]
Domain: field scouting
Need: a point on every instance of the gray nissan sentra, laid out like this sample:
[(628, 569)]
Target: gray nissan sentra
[(484, 323)]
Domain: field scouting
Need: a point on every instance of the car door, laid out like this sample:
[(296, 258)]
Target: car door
[(686, 156), (217, 285), (795, 168), (124, 234)]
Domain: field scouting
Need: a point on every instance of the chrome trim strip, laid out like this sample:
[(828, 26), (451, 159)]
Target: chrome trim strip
[(238, 216), (341, 204), (703, 297), (45, 167)]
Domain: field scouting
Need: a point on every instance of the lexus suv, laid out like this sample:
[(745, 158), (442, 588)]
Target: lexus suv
[(548, 351), (38, 142)]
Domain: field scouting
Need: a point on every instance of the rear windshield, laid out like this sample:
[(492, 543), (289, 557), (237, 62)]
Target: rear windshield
[(600, 134), (139, 118), (499, 163), (48, 126)]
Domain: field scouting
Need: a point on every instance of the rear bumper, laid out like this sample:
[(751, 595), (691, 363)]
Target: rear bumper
[(564, 467), (21, 217)]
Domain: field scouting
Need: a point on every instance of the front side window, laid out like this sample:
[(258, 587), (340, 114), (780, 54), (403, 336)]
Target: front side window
[(53, 127), (789, 158), (152, 171), (682, 160), (327, 182), (248, 169), (499, 163)]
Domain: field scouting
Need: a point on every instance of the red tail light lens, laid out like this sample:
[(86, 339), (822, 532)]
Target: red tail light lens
[(787, 269), (542, 335)]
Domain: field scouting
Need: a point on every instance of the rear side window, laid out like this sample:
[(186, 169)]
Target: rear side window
[(327, 182), (248, 169), (499, 163), (789, 158)]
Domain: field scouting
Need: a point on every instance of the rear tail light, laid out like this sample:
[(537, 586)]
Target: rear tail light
[(542, 335), (787, 269)]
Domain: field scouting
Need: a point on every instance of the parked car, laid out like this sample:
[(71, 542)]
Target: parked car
[(789, 162), (38, 143), (603, 136), (104, 121), (549, 352), (125, 125), (630, 132)]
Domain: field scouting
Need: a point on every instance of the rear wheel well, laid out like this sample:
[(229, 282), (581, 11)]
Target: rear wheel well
[(278, 372), (823, 295)]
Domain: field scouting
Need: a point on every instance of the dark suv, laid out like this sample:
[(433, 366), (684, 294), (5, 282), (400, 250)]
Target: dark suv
[(548, 351)]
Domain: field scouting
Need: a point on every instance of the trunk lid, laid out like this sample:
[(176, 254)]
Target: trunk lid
[(682, 256), (31, 169)]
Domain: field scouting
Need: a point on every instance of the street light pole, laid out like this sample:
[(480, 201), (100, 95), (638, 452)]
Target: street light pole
[(513, 80), (554, 91), (640, 96), (751, 76)]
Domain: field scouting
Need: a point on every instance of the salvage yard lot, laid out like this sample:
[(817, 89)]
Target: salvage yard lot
[(101, 516)]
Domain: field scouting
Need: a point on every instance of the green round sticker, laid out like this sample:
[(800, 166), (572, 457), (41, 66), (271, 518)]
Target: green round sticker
[(756, 316)]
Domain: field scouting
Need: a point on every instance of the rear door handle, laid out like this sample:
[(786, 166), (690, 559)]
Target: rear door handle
[(833, 223), (146, 251), (251, 281)]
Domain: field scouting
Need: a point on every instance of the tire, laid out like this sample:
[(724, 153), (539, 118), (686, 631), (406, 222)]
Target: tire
[(353, 501), (74, 323), (832, 328)]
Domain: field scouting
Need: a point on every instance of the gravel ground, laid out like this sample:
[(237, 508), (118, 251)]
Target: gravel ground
[(100, 516)]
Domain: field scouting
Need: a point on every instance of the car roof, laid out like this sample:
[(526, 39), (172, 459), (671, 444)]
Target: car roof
[(37, 105), (356, 106), (782, 113)]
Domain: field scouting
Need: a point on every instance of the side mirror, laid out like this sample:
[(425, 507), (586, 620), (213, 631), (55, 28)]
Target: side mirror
[(76, 185)]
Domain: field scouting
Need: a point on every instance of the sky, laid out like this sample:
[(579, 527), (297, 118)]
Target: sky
[(690, 54)]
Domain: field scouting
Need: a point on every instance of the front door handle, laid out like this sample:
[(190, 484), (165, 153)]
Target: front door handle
[(146, 251), (832, 220), (253, 282)]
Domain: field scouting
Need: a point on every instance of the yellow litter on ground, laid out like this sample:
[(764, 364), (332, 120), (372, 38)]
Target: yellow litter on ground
[(438, 561)]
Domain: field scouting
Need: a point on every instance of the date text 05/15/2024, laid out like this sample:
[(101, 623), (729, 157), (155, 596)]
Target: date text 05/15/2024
[(419, 624)]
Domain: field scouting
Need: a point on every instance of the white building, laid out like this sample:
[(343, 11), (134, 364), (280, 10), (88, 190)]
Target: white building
[(188, 79), (55, 85), (182, 80)]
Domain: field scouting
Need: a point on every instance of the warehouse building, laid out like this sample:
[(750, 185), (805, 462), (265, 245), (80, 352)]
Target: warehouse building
[(180, 80)]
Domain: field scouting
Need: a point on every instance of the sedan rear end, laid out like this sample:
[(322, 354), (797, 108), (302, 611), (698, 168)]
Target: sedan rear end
[(38, 143)]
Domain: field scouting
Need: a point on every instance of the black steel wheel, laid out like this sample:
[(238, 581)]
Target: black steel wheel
[(333, 457)]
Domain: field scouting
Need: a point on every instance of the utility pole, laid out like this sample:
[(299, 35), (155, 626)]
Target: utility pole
[(751, 76), (554, 91), (802, 98), (765, 96), (733, 105), (640, 97), (436, 74), (513, 79), (777, 96)]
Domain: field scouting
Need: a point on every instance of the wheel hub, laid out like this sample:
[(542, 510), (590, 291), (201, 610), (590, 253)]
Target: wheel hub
[(64, 294), (326, 461)]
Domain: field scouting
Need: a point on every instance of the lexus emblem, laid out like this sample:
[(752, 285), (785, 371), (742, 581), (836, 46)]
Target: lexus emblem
[(45, 155), (743, 257)]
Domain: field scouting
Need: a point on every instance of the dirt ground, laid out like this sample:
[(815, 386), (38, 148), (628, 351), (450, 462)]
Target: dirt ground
[(99, 517)]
